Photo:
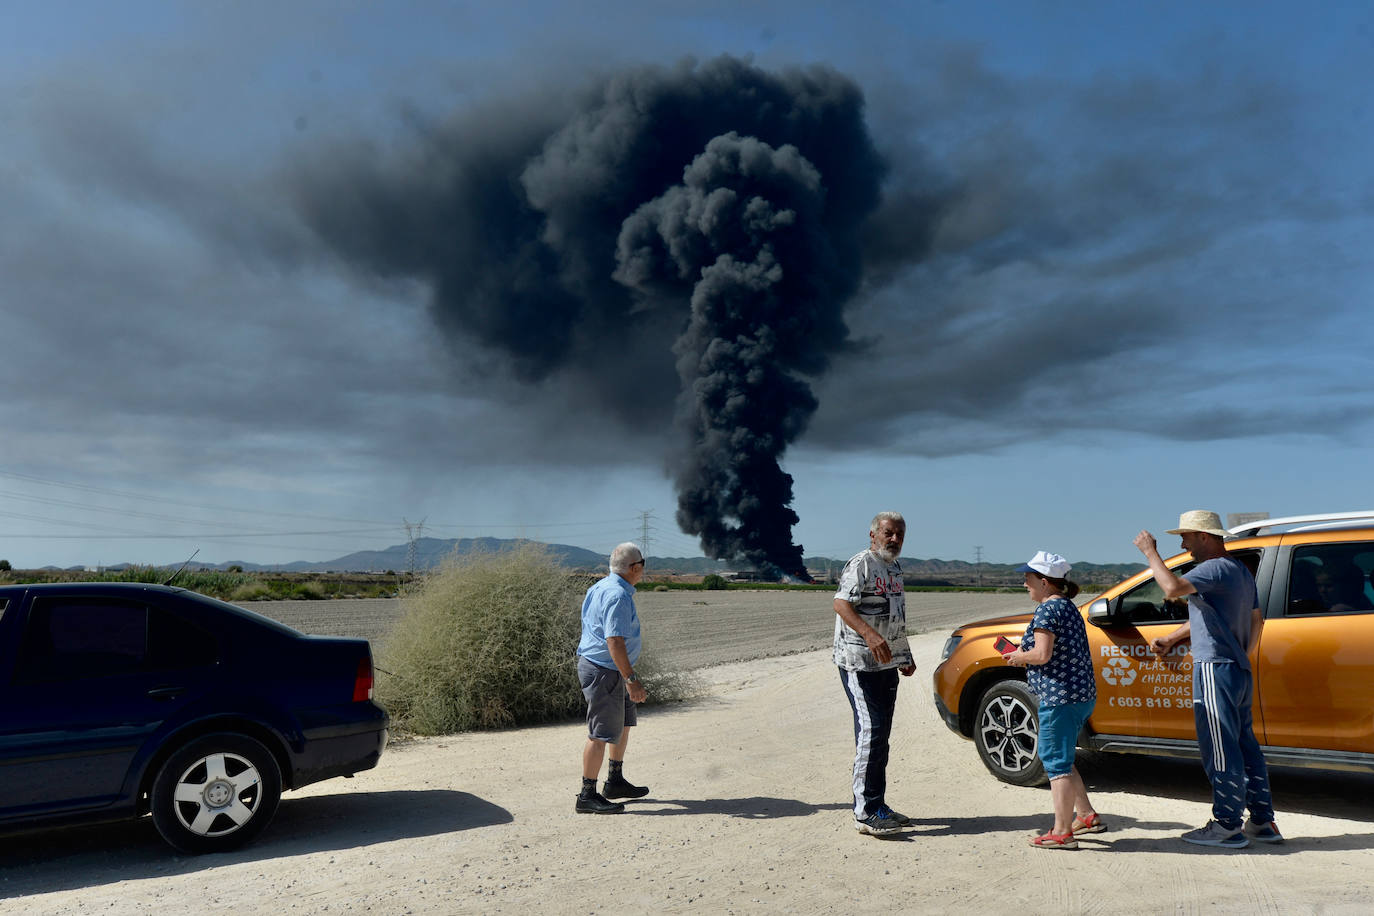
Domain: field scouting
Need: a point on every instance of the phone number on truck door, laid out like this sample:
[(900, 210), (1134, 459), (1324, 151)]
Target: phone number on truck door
[(1150, 702)]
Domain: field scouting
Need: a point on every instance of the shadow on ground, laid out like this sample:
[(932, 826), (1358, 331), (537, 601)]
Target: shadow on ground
[(77, 857), (754, 808), (1348, 796), (1165, 836)]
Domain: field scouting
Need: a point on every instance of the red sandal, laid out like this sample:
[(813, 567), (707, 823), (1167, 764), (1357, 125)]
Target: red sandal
[(1054, 841), (1090, 824)]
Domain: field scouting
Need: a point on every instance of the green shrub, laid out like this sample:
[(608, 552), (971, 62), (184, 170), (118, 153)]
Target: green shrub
[(212, 582), (249, 591), (304, 591), (145, 574), (486, 642), (489, 641), (714, 582), (205, 581)]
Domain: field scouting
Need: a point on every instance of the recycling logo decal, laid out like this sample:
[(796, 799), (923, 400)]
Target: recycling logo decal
[(1119, 672)]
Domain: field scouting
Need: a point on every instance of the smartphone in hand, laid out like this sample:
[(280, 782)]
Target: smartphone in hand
[(1004, 645)]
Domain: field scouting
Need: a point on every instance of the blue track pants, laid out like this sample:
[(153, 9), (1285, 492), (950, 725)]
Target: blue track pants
[(1231, 755)]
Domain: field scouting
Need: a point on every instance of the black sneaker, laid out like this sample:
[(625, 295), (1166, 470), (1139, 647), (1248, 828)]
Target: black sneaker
[(621, 788), (594, 803), (899, 817), (877, 824)]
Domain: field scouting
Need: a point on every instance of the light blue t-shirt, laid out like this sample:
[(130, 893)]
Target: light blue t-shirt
[(609, 610), (1220, 613), (1068, 676)]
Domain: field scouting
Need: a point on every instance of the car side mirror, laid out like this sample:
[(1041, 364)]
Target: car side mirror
[(1105, 613)]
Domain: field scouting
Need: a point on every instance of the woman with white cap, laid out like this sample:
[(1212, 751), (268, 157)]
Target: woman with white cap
[(1059, 670)]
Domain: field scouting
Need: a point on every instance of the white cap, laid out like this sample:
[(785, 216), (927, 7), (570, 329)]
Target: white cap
[(1047, 564)]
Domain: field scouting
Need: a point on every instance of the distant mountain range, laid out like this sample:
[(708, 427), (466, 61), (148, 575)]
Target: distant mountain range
[(431, 552)]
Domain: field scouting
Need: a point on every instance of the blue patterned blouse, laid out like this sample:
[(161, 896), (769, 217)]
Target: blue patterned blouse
[(1068, 676)]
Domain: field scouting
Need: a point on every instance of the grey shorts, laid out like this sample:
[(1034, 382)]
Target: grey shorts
[(609, 708)]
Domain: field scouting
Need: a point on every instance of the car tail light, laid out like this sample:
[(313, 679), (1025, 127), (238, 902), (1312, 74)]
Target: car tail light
[(362, 683)]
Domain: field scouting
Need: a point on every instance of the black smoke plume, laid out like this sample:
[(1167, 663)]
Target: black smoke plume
[(689, 236)]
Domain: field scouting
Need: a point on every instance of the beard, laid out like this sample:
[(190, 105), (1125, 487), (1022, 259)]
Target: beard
[(887, 556)]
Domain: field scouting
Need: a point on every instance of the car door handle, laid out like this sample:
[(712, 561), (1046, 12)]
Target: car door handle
[(166, 693)]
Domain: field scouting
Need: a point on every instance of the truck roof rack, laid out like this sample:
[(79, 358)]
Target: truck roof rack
[(1260, 524)]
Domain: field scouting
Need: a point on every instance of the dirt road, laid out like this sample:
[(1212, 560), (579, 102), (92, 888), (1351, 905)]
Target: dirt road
[(748, 814)]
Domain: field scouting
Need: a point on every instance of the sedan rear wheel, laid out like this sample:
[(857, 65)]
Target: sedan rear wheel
[(1006, 734), (216, 793)]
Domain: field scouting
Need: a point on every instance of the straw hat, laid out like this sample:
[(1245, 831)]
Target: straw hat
[(1200, 520)]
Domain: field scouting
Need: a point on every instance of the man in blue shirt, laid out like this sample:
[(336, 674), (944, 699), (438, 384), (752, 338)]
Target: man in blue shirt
[(1224, 623), (606, 657)]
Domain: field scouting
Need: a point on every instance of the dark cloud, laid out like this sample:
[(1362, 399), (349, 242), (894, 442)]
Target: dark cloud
[(171, 324), (676, 242), (1106, 251), (989, 245), (1120, 253)]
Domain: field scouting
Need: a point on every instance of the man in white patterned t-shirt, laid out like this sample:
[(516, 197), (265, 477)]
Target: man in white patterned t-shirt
[(870, 648)]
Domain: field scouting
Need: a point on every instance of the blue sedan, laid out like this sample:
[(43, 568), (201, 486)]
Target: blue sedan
[(123, 699)]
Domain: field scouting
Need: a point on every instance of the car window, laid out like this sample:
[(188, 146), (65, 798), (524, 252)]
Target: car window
[(1331, 579), (77, 638), (242, 612), (175, 643), (1146, 603), (80, 639)]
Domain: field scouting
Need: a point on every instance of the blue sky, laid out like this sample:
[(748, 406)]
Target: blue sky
[(1121, 268)]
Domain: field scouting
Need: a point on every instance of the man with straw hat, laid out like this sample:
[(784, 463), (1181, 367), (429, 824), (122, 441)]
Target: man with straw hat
[(1224, 622)]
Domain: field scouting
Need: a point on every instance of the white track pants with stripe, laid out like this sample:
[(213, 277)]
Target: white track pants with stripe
[(872, 698)]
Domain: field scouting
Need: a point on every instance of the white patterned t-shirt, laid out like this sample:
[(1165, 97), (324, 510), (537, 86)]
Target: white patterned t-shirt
[(874, 587)]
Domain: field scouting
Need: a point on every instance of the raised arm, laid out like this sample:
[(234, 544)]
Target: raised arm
[(1173, 585)]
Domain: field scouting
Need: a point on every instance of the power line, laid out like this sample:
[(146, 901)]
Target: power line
[(125, 513), (682, 545), (486, 525), (146, 497), (249, 526), (211, 536), (169, 501)]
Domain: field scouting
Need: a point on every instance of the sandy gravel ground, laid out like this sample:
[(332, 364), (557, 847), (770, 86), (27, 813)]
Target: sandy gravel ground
[(749, 813)]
